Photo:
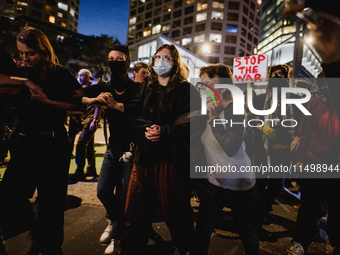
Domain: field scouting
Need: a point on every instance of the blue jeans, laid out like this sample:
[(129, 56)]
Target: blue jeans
[(114, 174)]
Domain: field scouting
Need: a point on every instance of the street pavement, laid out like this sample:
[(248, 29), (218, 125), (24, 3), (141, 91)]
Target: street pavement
[(85, 220)]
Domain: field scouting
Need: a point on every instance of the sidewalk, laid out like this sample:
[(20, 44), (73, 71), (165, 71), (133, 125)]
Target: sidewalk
[(85, 220)]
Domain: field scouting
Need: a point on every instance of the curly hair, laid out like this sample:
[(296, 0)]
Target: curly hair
[(178, 72), (37, 40)]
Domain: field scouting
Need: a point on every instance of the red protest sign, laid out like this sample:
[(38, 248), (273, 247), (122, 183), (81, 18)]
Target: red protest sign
[(250, 69)]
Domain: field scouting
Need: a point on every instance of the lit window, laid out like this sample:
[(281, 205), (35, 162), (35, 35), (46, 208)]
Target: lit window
[(189, 1), (186, 41), (51, 19), (60, 15), (215, 38), (132, 20), (72, 12), (156, 29), (201, 17), (63, 6), (147, 32), (199, 38), (63, 24), (131, 29), (143, 1), (166, 27), (202, 6), (217, 15), (218, 4), (22, 3), (232, 28)]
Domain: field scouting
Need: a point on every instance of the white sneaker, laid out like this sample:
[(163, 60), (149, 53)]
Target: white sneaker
[(108, 233), (112, 248), (296, 249)]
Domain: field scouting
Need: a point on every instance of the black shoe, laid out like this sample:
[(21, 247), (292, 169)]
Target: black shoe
[(76, 178), (91, 173)]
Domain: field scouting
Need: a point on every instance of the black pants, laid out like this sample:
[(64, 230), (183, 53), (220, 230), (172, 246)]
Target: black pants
[(42, 162), (313, 194), (242, 204), (85, 149)]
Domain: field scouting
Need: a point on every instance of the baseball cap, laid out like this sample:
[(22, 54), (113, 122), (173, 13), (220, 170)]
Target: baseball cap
[(86, 72)]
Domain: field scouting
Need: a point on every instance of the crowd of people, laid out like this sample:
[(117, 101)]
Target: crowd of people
[(149, 153)]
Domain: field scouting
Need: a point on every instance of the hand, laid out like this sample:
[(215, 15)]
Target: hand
[(295, 144), (269, 132), (95, 101), (39, 95), (108, 99), (34, 88), (99, 80), (213, 110), (153, 133)]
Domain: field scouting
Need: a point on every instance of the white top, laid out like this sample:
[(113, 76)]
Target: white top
[(230, 172)]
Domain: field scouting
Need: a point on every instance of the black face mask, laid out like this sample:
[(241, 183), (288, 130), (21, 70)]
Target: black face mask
[(118, 67), (119, 75)]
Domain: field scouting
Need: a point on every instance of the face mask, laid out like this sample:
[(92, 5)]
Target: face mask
[(118, 67), (162, 68)]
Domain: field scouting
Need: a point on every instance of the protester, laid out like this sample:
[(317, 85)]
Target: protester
[(140, 72), (85, 144), (115, 173), (41, 159), (320, 143), (161, 161), (223, 145), (324, 27)]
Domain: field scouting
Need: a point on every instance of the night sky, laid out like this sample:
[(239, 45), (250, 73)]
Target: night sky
[(109, 17)]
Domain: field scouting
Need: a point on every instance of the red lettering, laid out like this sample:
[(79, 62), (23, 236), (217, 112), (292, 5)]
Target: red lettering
[(246, 58), (248, 69), (249, 78), (253, 60), (239, 78), (260, 58), (238, 62), (257, 77), (255, 69), (241, 68)]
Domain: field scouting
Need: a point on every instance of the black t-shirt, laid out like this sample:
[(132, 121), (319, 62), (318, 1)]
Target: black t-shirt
[(36, 117), (7, 65), (121, 130)]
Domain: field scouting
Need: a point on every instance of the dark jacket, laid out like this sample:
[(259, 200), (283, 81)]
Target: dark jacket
[(171, 111)]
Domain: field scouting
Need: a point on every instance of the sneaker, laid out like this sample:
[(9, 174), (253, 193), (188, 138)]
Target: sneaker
[(296, 249), (112, 248), (108, 233)]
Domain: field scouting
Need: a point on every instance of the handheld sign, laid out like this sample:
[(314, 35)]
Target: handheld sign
[(250, 69)]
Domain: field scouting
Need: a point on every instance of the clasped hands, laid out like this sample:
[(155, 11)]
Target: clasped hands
[(153, 133)]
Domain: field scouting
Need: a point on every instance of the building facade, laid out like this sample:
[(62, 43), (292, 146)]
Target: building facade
[(61, 13), (216, 30), (285, 39)]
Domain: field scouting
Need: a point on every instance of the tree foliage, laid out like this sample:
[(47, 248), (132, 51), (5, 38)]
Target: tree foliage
[(88, 51)]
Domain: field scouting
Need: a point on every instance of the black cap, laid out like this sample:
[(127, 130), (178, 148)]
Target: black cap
[(124, 49)]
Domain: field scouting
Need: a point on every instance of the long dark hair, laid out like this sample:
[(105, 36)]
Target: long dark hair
[(37, 40), (178, 73)]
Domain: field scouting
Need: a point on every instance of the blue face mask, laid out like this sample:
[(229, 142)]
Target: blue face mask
[(162, 68)]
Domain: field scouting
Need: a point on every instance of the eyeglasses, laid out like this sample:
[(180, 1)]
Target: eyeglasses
[(164, 57)]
